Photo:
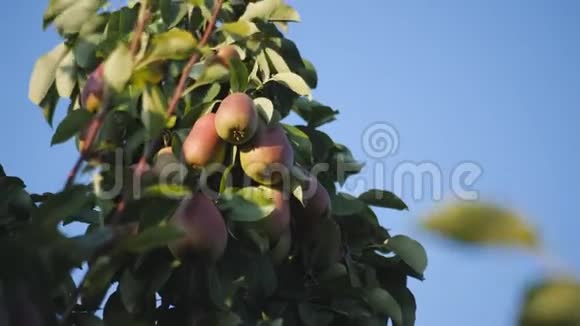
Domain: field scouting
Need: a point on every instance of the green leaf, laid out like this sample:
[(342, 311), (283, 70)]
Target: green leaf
[(118, 68), (167, 190), (407, 303), (261, 9), (175, 44), (382, 198), (293, 82), (285, 13), (44, 72), (74, 17), (300, 142), (240, 28), (384, 304), (154, 110), (172, 12), (410, 251), (98, 281), (273, 10), (153, 237), (85, 49), (277, 61), (344, 204), (73, 123), (66, 75), (209, 75), (55, 8), (249, 204), (238, 75), (314, 315), (49, 103), (265, 108), (482, 224), (552, 302), (320, 114), (308, 72)]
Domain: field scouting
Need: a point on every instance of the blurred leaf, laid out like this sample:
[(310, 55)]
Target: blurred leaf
[(175, 44), (553, 302), (66, 75), (240, 28), (55, 8), (44, 73), (238, 75), (384, 304), (410, 251), (153, 237), (293, 82), (167, 190), (154, 110), (71, 20), (73, 123), (249, 204), (382, 198), (85, 49), (273, 10), (285, 13), (98, 281), (172, 12), (62, 205), (118, 68), (481, 223)]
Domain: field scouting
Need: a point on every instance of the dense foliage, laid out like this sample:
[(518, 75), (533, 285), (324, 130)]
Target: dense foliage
[(236, 221)]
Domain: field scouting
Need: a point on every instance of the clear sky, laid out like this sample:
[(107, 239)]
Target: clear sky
[(493, 82)]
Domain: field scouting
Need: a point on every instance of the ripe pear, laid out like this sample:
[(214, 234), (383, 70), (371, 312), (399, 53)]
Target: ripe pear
[(269, 158), (93, 91), (317, 201), (236, 119), (278, 221), (168, 168), (204, 228), (202, 145), (226, 53)]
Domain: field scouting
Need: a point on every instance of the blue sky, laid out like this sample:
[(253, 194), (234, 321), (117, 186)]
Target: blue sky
[(492, 82)]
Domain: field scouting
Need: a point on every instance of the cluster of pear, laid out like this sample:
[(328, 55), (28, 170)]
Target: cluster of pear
[(266, 157)]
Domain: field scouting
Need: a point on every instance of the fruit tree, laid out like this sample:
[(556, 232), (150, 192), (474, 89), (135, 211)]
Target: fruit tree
[(202, 206)]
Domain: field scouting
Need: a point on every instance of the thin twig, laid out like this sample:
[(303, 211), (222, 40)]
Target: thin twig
[(97, 122)]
